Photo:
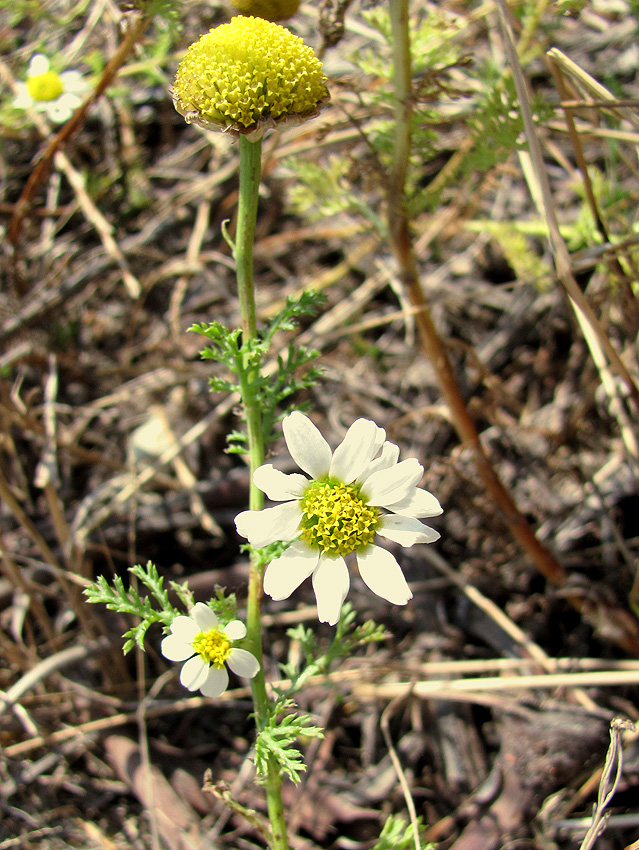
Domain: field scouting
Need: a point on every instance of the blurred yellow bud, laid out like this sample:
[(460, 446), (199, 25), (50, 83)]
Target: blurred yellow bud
[(270, 10)]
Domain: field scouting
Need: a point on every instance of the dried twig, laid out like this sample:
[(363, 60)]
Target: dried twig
[(608, 783), (408, 797)]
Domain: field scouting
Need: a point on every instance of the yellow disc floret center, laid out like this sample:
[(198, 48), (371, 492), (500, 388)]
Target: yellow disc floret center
[(247, 71), (336, 519), (213, 646), (47, 86)]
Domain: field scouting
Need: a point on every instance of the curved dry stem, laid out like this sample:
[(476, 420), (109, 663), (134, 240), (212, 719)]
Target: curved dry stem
[(624, 630)]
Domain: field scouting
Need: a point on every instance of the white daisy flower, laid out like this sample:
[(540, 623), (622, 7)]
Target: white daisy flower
[(198, 640), (339, 511), (58, 95)]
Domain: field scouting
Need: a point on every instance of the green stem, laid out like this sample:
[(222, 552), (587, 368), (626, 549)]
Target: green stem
[(250, 168)]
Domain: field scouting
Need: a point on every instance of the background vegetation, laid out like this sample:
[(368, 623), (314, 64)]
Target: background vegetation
[(112, 447)]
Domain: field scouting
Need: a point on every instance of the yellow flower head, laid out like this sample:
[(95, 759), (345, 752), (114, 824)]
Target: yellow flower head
[(47, 86), (247, 76)]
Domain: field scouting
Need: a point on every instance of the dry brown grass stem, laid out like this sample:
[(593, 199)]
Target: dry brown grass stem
[(6, 494), (435, 350), (542, 195), (527, 647), (491, 691), (18, 580), (610, 778), (557, 63), (433, 345), (492, 684), (600, 94), (92, 625), (50, 665), (388, 712), (192, 257), (77, 182)]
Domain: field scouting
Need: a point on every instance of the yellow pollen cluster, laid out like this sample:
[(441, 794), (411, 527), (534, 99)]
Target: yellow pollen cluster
[(47, 86), (213, 646), (247, 72), (336, 519)]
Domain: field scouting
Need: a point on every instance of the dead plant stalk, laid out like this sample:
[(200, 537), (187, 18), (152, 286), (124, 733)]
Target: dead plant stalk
[(625, 633)]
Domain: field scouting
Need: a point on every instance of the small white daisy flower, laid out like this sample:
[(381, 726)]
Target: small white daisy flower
[(198, 640), (58, 95), (339, 511)]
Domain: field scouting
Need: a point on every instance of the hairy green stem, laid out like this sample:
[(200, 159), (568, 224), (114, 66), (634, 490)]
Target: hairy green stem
[(250, 168)]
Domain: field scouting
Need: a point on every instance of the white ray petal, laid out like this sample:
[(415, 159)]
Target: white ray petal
[(388, 458), (215, 683), (39, 64), (235, 630), (308, 448), (362, 442), (418, 503), (406, 530), (263, 527), (278, 486), (383, 575), (23, 99), (184, 628), (60, 110), (286, 573), (388, 486), (243, 663), (175, 649), (204, 617), (74, 81), (194, 673), (330, 583)]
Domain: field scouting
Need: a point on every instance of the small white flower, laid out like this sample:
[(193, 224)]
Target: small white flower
[(58, 95), (339, 511), (198, 640)]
